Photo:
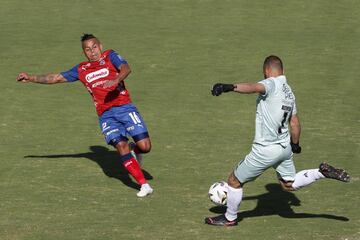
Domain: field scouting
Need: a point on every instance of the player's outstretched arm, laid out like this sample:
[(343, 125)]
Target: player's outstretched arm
[(50, 78), (295, 133), (250, 88), (219, 88)]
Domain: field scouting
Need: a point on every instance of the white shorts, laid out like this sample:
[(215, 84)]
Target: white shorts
[(263, 157)]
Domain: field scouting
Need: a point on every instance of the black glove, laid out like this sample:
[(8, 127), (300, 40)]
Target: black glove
[(219, 88), (295, 147)]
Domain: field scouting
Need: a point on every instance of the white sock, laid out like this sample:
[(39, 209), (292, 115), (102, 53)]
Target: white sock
[(234, 197), (306, 177)]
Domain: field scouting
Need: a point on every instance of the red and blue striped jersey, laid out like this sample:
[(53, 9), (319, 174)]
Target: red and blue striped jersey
[(94, 74)]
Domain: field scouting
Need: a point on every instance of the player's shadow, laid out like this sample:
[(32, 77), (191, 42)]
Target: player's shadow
[(276, 202), (107, 160)]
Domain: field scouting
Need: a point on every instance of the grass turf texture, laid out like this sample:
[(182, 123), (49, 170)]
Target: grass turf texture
[(58, 179)]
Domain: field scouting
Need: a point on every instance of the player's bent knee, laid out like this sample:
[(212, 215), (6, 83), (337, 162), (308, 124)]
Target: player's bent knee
[(144, 145), (286, 186), (123, 147), (233, 181)]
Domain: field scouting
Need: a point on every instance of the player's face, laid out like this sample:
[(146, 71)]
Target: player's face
[(92, 49)]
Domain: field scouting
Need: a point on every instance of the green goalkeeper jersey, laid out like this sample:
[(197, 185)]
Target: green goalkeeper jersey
[(273, 111)]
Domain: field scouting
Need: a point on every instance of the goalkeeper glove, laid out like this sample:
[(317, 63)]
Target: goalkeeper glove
[(219, 88), (295, 147)]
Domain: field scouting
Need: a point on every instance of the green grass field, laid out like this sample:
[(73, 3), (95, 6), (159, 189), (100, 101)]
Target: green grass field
[(59, 180)]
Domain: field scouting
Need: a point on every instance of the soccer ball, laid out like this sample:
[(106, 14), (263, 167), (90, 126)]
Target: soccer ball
[(218, 193)]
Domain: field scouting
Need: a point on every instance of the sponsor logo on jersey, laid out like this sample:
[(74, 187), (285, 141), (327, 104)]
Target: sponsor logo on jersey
[(112, 131), (98, 83), (286, 108), (130, 128), (104, 72)]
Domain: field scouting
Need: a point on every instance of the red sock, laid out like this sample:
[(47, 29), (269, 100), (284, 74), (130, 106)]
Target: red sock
[(134, 169)]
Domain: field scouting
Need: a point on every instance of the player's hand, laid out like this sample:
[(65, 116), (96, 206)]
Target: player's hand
[(295, 147), (219, 88), (23, 77), (110, 83)]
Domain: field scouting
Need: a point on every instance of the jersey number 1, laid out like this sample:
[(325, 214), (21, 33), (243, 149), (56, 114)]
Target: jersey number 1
[(283, 121)]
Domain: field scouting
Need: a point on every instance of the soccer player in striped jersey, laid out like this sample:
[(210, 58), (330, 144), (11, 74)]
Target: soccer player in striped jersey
[(103, 75)]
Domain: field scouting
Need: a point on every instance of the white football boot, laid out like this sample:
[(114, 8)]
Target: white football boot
[(138, 157), (145, 190)]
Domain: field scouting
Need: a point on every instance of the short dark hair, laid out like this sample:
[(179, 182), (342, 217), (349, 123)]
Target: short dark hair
[(87, 36), (273, 62)]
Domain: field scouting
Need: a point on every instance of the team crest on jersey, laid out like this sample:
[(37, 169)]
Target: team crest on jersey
[(104, 72), (102, 62)]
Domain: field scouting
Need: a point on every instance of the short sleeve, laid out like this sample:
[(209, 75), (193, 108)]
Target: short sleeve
[(269, 86), (71, 75), (116, 59), (294, 110)]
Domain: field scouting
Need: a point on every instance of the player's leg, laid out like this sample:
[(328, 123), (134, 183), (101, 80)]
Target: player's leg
[(139, 148), (290, 180), (247, 170), (143, 145), (306, 177), (115, 135), (234, 197), (254, 164), (285, 169), (136, 128), (130, 162), (309, 176), (133, 167)]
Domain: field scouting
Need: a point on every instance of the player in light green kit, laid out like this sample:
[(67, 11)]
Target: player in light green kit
[(274, 142)]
